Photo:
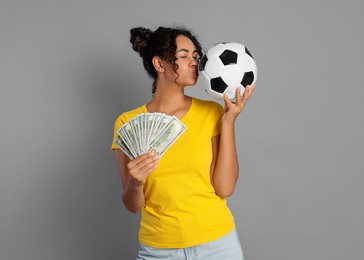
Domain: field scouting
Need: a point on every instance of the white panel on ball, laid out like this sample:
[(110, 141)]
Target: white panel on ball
[(232, 75), (215, 51), (214, 67), (246, 62), (234, 46), (231, 91)]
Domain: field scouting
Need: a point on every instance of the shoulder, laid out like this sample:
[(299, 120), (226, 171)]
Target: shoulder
[(208, 106), (208, 113), (127, 115)]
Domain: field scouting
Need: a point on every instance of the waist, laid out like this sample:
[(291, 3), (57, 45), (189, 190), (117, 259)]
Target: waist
[(180, 225)]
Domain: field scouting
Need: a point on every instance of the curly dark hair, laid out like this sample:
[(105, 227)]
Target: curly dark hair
[(161, 43)]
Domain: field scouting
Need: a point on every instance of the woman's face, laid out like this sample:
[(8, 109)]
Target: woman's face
[(187, 56)]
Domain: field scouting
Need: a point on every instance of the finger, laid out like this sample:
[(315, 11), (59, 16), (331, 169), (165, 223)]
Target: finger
[(142, 167), (238, 96), (250, 89), (139, 160), (141, 175), (146, 161), (247, 93), (145, 167), (227, 100), (148, 168)]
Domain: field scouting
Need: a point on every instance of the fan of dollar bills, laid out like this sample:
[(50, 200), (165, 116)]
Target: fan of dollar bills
[(149, 131)]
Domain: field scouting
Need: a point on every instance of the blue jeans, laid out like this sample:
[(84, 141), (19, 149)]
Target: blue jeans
[(227, 247)]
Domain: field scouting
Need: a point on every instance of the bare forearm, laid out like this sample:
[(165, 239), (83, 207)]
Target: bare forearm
[(133, 175), (133, 198), (226, 171)]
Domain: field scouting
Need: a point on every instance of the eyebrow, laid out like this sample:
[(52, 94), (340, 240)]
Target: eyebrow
[(185, 50)]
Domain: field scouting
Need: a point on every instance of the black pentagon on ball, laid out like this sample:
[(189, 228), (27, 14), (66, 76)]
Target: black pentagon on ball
[(218, 85), (202, 63), (228, 57), (247, 79)]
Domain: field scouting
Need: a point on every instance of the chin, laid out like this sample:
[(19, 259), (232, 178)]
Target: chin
[(191, 84), (187, 81)]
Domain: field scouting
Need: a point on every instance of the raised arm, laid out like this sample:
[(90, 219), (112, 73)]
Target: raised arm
[(225, 166)]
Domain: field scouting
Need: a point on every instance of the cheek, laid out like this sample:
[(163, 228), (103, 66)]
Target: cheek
[(182, 68), (170, 73)]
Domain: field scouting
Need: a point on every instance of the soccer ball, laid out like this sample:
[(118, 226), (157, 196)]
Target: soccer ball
[(225, 67)]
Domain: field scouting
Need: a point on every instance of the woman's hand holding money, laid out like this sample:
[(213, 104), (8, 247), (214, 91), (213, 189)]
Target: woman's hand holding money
[(134, 177), (141, 167)]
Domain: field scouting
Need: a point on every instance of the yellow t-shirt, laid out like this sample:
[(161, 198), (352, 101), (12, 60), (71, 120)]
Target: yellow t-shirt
[(181, 207)]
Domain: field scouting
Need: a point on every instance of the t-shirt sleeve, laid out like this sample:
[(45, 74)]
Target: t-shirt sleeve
[(217, 114), (118, 123)]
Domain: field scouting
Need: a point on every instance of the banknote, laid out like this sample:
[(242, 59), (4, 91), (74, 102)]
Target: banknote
[(149, 131), (128, 138), (123, 146), (166, 137)]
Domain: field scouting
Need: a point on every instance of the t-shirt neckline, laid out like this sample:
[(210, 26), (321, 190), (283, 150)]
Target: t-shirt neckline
[(185, 116)]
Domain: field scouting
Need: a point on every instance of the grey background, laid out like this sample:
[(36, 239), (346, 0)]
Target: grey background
[(67, 71)]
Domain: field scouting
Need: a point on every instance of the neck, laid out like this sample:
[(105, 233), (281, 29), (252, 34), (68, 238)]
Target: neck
[(168, 99)]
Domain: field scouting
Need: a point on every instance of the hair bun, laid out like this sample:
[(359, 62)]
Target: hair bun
[(139, 38)]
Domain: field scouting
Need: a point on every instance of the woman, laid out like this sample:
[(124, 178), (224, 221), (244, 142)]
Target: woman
[(182, 195)]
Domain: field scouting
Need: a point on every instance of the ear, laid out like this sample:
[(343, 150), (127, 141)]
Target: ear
[(158, 64)]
